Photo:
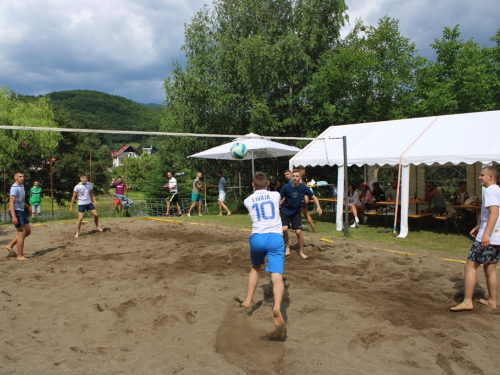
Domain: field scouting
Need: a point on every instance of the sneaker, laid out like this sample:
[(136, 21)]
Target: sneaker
[(166, 215), (180, 215), (365, 219), (355, 225)]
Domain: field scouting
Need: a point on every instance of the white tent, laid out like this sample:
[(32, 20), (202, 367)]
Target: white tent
[(463, 138)]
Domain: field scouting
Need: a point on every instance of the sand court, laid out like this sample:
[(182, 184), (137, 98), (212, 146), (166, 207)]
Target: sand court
[(154, 297)]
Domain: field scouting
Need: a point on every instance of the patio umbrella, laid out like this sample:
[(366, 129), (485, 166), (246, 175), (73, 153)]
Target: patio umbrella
[(258, 147)]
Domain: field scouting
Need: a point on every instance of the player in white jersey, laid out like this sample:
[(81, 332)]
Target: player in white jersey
[(83, 191), (485, 250), (266, 240)]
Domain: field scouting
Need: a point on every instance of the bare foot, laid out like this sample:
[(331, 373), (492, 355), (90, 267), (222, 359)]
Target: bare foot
[(21, 258), (76, 235), (487, 303), (11, 251), (188, 214), (229, 214), (462, 307), (304, 256), (287, 252), (220, 214), (244, 304), (278, 318), (99, 229), (200, 215), (314, 230)]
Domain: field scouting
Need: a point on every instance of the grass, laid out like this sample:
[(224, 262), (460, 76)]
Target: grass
[(431, 238)]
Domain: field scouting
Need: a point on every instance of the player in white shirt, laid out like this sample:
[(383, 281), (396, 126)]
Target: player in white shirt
[(486, 248), (266, 240), (83, 191), (174, 194)]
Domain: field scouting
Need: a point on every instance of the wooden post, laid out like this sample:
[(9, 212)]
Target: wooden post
[(51, 185), (90, 160), (126, 179), (5, 191)]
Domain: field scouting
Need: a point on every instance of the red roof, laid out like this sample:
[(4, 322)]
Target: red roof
[(123, 149)]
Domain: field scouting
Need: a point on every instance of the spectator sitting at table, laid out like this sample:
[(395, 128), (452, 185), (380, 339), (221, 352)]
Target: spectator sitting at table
[(435, 196), (461, 195), (458, 198), (392, 192), (354, 204), (378, 194), (366, 198)]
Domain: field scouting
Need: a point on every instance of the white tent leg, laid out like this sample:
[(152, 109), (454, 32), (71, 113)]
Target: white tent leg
[(340, 197), (405, 195)]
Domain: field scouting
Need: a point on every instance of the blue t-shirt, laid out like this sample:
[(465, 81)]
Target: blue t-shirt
[(222, 181), (293, 197), (19, 193)]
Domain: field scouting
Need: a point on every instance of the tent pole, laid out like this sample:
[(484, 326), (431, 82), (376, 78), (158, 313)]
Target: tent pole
[(346, 196)]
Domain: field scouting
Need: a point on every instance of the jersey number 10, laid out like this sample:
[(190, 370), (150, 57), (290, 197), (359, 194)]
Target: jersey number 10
[(261, 212)]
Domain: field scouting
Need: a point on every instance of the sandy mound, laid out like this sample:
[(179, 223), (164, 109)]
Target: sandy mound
[(155, 297)]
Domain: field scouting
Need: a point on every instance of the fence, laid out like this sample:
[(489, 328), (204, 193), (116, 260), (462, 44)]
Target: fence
[(141, 207)]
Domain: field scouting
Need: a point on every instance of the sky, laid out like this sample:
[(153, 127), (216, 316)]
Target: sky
[(126, 47)]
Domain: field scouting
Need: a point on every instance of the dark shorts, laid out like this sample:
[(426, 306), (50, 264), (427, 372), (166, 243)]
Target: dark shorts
[(295, 220), (173, 198), (484, 255), (22, 218), (368, 206), (85, 207)]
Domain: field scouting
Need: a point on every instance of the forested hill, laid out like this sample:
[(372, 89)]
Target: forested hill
[(98, 110)]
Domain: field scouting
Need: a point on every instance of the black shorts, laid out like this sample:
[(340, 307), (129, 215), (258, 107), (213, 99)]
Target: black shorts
[(295, 220), (22, 218), (484, 255), (173, 198)]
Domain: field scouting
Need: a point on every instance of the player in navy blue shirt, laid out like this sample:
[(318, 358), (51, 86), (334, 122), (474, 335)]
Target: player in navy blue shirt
[(293, 195)]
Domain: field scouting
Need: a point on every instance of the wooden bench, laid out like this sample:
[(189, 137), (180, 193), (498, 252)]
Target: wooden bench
[(419, 216), (374, 214), (445, 219)]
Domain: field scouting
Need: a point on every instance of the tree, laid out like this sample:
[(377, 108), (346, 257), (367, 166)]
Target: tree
[(464, 78), (370, 76), (249, 64), (21, 149)]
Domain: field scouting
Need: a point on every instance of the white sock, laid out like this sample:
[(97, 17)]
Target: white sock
[(356, 219)]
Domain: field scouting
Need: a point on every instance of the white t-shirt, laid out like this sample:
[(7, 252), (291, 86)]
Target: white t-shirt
[(18, 192), (354, 199), (491, 197), (83, 192), (264, 209), (172, 185)]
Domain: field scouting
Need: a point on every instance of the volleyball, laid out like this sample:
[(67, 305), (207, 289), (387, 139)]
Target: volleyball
[(238, 151)]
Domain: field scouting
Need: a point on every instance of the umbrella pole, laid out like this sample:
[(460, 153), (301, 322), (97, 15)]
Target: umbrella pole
[(253, 170)]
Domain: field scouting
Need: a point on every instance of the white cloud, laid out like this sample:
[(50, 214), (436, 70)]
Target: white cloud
[(126, 47)]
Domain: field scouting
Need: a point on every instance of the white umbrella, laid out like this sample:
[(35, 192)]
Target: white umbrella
[(258, 147)]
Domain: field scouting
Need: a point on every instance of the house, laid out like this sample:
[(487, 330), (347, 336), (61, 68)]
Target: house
[(149, 150), (126, 151)]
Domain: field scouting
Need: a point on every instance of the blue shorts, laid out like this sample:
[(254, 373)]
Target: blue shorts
[(195, 197), (484, 255), (270, 244), (22, 218), (85, 207)]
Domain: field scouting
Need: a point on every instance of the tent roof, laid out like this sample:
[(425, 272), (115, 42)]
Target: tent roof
[(463, 138)]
